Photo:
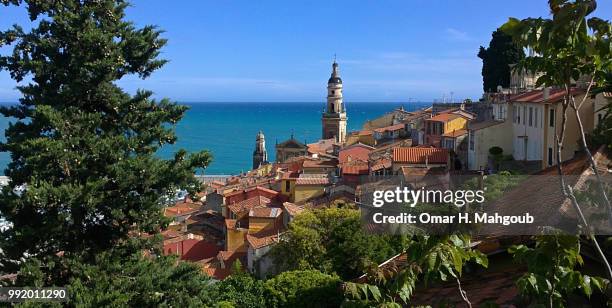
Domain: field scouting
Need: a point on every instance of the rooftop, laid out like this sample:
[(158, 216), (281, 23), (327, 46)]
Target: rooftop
[(420, 155), (537, 96), (248, 204)]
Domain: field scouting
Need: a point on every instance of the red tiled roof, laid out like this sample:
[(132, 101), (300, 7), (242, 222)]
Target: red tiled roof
[(248, 204), (319, 164), (355, 152), (420, 155), (365, 133), (292, 209), (537, 96), (455, 133), (259, 188), (390, 128), (355, 168), (265, 212), (444, 117), (322, 147), (312, 181), (383, 163), (263, 238), (217, 272), (181, 209)]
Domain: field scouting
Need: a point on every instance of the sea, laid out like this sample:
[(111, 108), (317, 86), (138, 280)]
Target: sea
[(228, 129)]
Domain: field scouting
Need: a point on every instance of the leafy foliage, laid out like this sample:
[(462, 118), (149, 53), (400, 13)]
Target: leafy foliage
[(85, 152), (551, 272), (567, 46), (332, 240), (430, 258), (308, 288), (241, 290), (132, 281), (496, 61)]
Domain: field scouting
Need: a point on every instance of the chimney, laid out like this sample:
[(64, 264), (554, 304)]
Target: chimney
[(546, 93)]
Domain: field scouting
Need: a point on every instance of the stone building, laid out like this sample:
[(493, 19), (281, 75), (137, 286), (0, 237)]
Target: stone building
[(334, 118), (290, 148), (260, 155)]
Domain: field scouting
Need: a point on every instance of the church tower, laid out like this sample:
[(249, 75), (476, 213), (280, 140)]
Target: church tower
[(334, 118), (260, 155)]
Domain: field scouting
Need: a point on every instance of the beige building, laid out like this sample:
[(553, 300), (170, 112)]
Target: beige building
[(528, 124), (483, 136), (289, 149)]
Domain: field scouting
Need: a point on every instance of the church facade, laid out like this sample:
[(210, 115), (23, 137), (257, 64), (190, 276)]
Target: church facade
[(334, 117)]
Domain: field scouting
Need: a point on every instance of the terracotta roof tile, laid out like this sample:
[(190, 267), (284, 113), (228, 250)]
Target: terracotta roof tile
[(292, 209), (217, 272), (263, 238), (319, 164), (383, 163), (355, 168), (265, 212), (183, 208), (248, 204), (415, 155), (390, 128), (537, 96), (444, 117), (312, 181)]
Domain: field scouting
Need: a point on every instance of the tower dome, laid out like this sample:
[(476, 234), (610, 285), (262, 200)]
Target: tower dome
[(335, 76), (260, 155)]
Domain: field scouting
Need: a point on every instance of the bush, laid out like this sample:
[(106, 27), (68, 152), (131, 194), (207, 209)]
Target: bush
[(309, 288), (495, 151)]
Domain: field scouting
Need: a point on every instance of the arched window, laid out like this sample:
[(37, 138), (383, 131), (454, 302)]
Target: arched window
[(332, 107)]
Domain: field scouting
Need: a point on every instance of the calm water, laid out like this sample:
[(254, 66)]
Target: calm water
[(228, 130)]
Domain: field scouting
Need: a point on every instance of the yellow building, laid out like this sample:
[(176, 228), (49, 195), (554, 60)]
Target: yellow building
[(442, 123), (288, 185), (310, 186)]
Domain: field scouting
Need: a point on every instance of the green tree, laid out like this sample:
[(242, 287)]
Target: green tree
[(551, 272), (496, 60), (82, 147), (567, 48), (332, 240), (309, 288), (241, 290)]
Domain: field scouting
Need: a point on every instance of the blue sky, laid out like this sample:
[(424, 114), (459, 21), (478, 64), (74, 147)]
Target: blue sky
[(394, 51)]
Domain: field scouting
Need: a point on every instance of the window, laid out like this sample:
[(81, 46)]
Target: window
[(530, 116), (518, 115), (599, 118), (333, 92), (535, 122), (524, 114), (471, 136), (550, 156), (551, 118), (287, 186), (332, 107), (514, 114)]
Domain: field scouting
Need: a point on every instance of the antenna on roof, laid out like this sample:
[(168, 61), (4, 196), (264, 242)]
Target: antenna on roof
[(334, 57)]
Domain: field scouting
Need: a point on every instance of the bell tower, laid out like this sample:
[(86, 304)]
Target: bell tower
[(334, 118), (260, 155)]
